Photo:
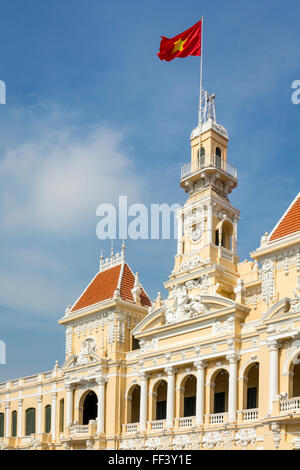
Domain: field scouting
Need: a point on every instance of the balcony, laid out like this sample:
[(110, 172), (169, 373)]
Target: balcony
[(250, 415), (217, 418), (158, 424), (225, 253), (79, 429), (290, 404), (130, 428), (187, 422), (208, 162)]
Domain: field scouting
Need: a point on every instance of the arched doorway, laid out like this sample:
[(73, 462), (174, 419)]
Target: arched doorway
[(89, 407), (220, 399)]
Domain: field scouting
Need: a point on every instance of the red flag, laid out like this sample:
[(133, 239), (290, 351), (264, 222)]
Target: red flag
[(182, 45)]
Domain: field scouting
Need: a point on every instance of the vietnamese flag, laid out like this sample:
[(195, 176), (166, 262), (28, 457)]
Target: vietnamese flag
[(182, 45)]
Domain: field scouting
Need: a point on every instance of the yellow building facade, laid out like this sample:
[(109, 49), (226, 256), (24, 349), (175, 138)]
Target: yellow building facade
[(214, 365)]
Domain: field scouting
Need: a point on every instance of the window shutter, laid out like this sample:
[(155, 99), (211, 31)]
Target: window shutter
[(30, 421), (47, 419), (1, 424), (14, 418)]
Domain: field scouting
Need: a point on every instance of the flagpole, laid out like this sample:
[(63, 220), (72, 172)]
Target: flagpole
[(200, 95)]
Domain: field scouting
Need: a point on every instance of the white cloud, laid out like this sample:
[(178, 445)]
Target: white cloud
[(54, 183)]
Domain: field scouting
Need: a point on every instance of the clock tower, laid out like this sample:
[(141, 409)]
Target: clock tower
[(207, 223)]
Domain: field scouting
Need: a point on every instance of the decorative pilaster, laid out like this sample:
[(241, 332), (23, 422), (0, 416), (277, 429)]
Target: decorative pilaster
[(143, 402), (53, 416), (200, 365), (232, 358), (209, 222), (273, 346), (20, 417), (39, 415), (170, 396), (7, 419), (101, 381), (235, 234), (69, 411)]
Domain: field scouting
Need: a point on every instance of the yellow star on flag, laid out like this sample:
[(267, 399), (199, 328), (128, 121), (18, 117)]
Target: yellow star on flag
[(178, 45)]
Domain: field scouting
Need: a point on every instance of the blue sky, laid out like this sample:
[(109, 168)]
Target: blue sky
[(92, 113)]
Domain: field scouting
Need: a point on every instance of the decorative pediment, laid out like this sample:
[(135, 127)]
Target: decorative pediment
[(87, 355), (182, 307), (278, 310), (154, 319)]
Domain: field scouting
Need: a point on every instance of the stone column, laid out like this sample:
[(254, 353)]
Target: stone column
[(273, 346), (232, 391), (200, 365), (53, 416), (7, 419), (39, 415), (69, 410), (100, 408), (143, 402), (20, 417), (170, 396)]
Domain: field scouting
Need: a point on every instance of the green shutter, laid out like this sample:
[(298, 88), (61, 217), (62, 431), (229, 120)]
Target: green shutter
[(14, 418), (30, 421), (1, 424), (47, 419), (62, 417)]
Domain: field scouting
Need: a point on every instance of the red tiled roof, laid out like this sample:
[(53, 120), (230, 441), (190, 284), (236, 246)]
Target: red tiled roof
[(128, 283), (104, 284), (289, 223)]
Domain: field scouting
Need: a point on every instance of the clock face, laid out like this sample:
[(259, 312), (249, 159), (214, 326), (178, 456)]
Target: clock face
[(196, 234)]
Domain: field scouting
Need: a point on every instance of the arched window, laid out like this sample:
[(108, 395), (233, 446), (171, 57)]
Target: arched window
[(61, 415), (134, 404), (14, 419), (221, 392), (201, 159), (47, 419), (252, 386), (161, 400), (89, 407), (296, 380), (30, 421), (1, 424), (218, 157), (189, 396)]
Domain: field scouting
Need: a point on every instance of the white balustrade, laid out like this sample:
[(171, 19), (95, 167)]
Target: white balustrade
[(250, 415), (186, 422), (217, 418), (79, 429), (158, 424), (132, 427), (290, 404), (208, 161)]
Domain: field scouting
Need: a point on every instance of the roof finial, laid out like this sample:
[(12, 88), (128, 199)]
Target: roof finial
[(112, 250), (123, 248), (101, 259), (137, 288)]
